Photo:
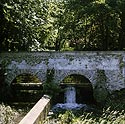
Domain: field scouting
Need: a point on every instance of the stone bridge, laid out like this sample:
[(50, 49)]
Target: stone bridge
[(105, 70)]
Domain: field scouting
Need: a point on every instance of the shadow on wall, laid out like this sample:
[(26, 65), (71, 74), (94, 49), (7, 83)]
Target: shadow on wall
[(84, 90), (26, 87)]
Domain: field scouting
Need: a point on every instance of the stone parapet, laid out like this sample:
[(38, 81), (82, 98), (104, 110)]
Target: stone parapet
[(38, 113)]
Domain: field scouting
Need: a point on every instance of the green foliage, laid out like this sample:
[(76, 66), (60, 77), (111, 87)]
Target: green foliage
[(7, 114), (37, 25), (107, 117), (100, 91), (113, 112), (51, 88), (116, 100), (67, 118), (28, 25), (95, 25)]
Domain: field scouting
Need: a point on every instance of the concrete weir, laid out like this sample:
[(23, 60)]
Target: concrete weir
[(38, 113)]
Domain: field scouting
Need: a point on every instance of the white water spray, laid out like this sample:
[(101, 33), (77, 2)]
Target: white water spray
[(70, 100), (70, 95)]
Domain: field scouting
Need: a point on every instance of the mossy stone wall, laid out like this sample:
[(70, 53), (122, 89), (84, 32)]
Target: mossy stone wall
[(105, 70)]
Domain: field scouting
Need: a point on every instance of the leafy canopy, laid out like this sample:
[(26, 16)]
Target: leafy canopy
[(39, 25)]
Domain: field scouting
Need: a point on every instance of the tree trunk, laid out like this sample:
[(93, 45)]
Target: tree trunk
[(57, 45), (122, 32)]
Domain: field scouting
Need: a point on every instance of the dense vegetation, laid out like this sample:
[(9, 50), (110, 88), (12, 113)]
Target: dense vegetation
[(107, 117), (13, 113), (37, 25), (112, 112), (7, 114)]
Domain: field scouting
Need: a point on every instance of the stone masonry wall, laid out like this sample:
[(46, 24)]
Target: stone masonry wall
[(105, 70)]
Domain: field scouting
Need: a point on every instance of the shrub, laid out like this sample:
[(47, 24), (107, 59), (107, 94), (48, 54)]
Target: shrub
[(7, 114)]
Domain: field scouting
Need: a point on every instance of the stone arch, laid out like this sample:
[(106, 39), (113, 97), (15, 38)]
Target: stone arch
[(14, 73), (76, 77), (89, 74), (27, 78), (26, 86)]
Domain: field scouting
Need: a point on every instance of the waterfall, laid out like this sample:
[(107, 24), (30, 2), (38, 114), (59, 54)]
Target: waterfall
[(70, 95), (69, 101)]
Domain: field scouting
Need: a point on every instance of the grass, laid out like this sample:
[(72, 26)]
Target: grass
[(12, 114), (7, 114), (106, 117), (113, 112)]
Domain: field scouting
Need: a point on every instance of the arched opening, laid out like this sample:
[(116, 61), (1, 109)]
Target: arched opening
[(26, 87), (84, 89)]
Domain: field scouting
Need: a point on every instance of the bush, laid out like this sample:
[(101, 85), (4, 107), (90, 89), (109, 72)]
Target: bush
[(7, 114)]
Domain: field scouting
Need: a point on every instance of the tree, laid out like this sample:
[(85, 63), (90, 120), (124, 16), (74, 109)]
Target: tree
[(37, 25), (118, 7), (94, 26)]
